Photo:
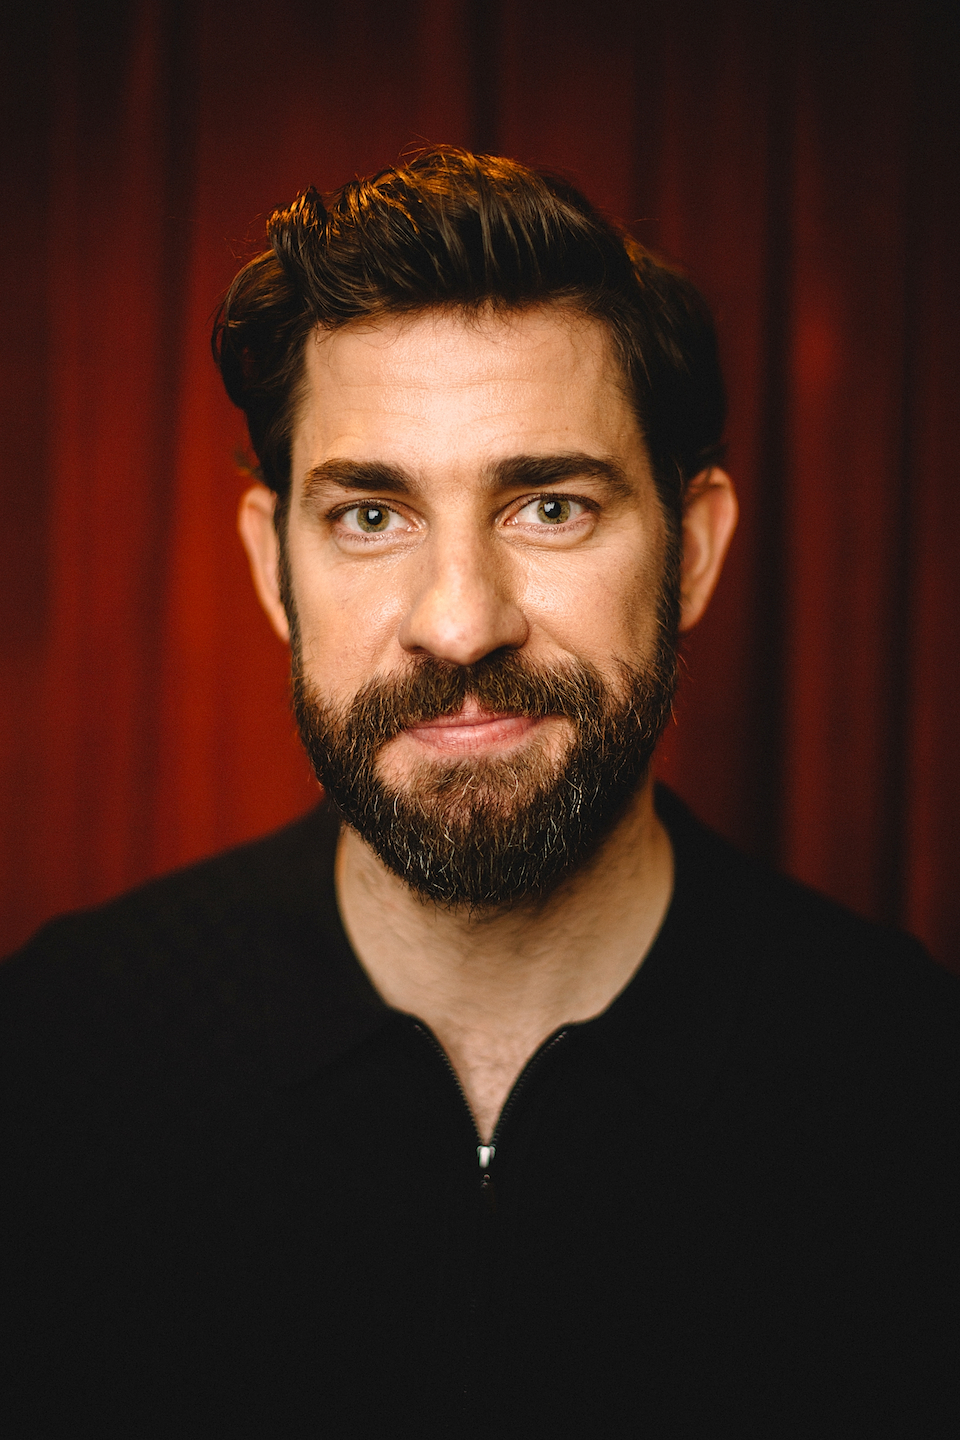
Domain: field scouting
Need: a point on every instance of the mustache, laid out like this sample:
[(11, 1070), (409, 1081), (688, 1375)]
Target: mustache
[(500, 683)]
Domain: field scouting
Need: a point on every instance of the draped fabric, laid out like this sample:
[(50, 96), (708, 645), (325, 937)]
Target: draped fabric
[(799, 160)]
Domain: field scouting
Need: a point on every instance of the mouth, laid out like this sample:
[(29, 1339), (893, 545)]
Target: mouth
[(473, 729)]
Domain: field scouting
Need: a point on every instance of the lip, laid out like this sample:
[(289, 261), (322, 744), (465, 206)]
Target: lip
[(472, 729)]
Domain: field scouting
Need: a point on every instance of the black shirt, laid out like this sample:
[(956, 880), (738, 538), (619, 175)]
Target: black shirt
[(244, 1197)]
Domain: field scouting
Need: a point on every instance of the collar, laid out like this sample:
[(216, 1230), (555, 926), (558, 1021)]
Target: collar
[(670, 1029)]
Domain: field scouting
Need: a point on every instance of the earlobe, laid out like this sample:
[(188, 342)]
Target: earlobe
[(709, 520), (262, 544)]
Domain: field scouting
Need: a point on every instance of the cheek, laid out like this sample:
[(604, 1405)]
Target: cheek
[(597, 611), (348, 625), (642, 605)]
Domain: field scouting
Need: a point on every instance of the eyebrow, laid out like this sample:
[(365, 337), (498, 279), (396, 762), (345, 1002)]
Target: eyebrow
[(367, 475), (539, 472), (517, 472)]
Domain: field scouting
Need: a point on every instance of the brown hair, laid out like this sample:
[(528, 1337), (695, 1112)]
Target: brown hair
[(453, 229)]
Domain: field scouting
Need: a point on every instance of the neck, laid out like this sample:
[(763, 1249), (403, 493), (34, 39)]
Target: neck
[(493, 986)]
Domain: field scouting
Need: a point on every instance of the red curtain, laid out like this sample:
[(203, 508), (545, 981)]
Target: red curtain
[(799, 159)]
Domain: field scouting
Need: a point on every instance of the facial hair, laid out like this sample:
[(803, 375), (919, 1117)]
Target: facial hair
[(485, 832)]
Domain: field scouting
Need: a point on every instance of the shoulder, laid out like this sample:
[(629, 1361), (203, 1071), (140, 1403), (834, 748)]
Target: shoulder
[(818, 986), (201, 911), (208, 978), (741, 900), (797, 953)]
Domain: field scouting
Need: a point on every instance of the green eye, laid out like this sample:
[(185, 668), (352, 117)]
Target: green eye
[(553, 512), (372, 518)]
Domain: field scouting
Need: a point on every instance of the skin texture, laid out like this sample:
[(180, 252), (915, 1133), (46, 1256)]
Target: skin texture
[(449, 433)]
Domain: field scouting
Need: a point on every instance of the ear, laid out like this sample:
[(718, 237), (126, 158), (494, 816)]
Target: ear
[(262, 544), (709, 520)]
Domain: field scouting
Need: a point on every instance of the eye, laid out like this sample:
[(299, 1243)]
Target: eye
[(550, 510), (369, 520)]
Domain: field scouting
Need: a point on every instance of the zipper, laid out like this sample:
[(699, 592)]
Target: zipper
[(479, 1336), (486, 1153)]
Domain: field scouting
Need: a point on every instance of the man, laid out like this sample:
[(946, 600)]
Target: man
[(496, 1097)]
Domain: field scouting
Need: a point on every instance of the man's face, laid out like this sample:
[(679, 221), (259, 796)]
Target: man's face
[(475, 565)]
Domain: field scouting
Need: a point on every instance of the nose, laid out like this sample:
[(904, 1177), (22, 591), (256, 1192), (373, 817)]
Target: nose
[(464, 607)]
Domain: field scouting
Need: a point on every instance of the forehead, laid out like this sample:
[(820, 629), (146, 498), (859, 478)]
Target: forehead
[(447, 388)]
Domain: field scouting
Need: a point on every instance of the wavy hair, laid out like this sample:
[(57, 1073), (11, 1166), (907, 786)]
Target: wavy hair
[(462, 231)]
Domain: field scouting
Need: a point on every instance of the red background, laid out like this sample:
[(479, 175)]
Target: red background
[(800, 160)]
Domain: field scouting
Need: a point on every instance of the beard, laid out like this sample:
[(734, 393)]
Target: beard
[(485, 832)]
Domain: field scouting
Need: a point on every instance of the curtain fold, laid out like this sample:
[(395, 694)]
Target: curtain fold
[(798, 160)]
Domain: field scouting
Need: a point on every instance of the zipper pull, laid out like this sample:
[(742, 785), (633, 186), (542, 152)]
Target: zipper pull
[(485, 1154)]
